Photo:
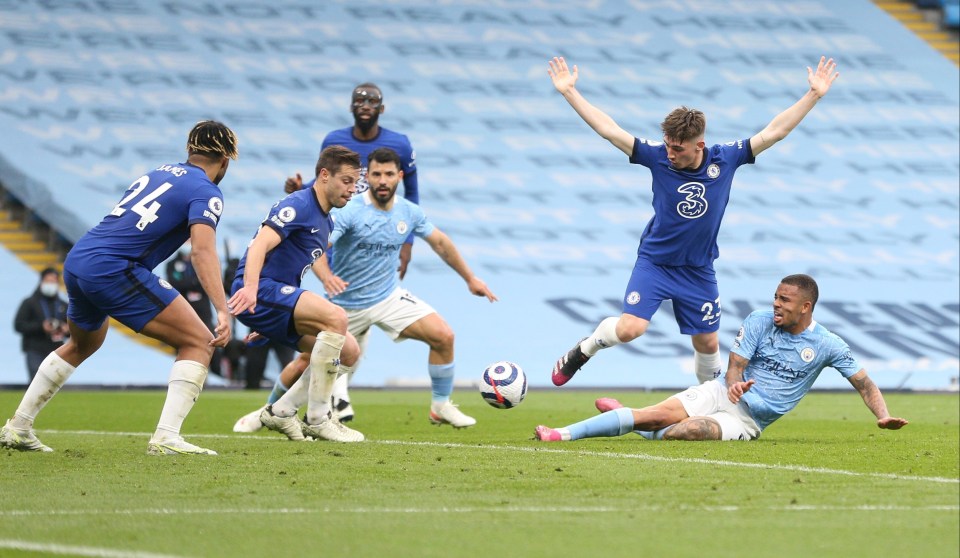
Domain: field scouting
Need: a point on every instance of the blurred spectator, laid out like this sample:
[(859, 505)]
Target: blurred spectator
[(42, 320)]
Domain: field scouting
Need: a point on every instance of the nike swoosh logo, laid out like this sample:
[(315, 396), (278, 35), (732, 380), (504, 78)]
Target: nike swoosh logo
[(314, 231), (713, 322)]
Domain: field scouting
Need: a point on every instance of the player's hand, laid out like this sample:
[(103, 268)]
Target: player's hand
[(479, 288), (223, 333), (334, 285), (406, 252), (251, 338), (563, 79), (892, 423), (736, 391), (293, 184), (243, 300), (821, 80)]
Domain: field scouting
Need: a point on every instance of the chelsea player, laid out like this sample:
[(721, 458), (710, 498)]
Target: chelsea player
[(108, 273), (268, 299), (691, 188), (777, 356), (368, 233)]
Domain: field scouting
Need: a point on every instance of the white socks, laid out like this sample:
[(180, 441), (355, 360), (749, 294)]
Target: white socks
[(706, 366), (603, 337), (324, 368), (51, 376), (183, 389)]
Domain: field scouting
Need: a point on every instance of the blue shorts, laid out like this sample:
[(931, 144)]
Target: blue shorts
[(133, 297), (273, 317), (693, 290)]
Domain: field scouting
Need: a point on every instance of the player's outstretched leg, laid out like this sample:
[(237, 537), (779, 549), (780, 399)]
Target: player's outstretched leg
[(569, 364)]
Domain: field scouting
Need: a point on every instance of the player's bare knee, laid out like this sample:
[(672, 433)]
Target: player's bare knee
[(350, 353), (629, 328), (695, 429), (337, 321)]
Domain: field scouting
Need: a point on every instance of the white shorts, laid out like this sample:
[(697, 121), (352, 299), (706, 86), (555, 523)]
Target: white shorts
[(709, 399), (392, 314)]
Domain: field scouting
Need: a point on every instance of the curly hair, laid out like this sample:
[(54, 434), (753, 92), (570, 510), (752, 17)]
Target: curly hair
[(212, 139), (684, 124)]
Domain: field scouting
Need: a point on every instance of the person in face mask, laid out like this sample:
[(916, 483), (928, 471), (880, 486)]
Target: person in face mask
[(42, 320)]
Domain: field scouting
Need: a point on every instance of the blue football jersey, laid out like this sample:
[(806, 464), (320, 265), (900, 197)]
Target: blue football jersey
[(150, 223), (688, 205), (386, 138), (304, 229), (784, 365), (367, 241)]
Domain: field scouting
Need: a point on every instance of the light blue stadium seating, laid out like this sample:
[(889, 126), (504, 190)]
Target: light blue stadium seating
[(862, 195)]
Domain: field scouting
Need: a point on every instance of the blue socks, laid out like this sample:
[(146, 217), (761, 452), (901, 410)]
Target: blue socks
[(612, 423), (441, 381), (278, 390)]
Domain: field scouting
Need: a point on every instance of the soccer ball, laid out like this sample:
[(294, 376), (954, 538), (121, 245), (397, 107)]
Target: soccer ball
[(503, 385)]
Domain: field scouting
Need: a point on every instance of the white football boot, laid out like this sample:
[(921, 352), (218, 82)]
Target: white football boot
[(249, 422), (21, 440), (176, 446), (448, 413)]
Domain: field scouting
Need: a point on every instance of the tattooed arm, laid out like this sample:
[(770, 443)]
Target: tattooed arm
[(736, 387), (874, 400)]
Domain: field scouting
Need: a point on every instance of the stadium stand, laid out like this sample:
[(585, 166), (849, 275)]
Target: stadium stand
[(863, 195)]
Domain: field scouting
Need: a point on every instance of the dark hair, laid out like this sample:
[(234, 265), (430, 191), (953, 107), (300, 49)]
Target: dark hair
[(212, 139), (806, 284), (48, 270), (336, 156), (385, 155), (684, 124)]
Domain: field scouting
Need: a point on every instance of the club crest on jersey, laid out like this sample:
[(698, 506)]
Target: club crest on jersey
[(287, 289), (807, 354), (402, 227), (287, 214), (165, 285), (633, 297), (713, 170)]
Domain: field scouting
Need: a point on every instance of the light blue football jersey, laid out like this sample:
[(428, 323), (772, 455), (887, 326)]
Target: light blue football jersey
[(367, 241), (784, 365)]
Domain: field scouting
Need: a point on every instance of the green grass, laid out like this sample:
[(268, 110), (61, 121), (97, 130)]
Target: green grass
[(824, 481)]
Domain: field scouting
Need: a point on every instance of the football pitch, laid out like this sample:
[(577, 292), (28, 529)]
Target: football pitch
[(823, 481)]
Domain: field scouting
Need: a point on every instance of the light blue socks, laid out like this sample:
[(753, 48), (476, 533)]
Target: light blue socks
[(612, 423)]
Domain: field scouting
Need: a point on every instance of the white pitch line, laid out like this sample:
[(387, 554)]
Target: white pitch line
[(71, 550), (470, 509), (584, 453)]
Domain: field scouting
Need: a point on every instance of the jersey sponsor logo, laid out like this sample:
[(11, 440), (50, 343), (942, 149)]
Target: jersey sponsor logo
[(287, 289), (165, 285), (807, 354), (633, 297), (713, 170), (211, 216), (694, 204), (402, 227), (216, 206)]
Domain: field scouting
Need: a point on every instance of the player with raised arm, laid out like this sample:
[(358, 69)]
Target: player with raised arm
[(268, 299), (366, 134), (367, 234), (691, 187), (108, 273), (777, 356)]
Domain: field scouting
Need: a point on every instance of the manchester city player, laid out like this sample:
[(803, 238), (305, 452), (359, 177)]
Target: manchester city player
[(776, 358), (366, 134), (691, 187), (268, 299), (368, 233), (108, 273)]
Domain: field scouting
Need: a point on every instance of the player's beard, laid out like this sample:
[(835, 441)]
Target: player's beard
[(366, 125)]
